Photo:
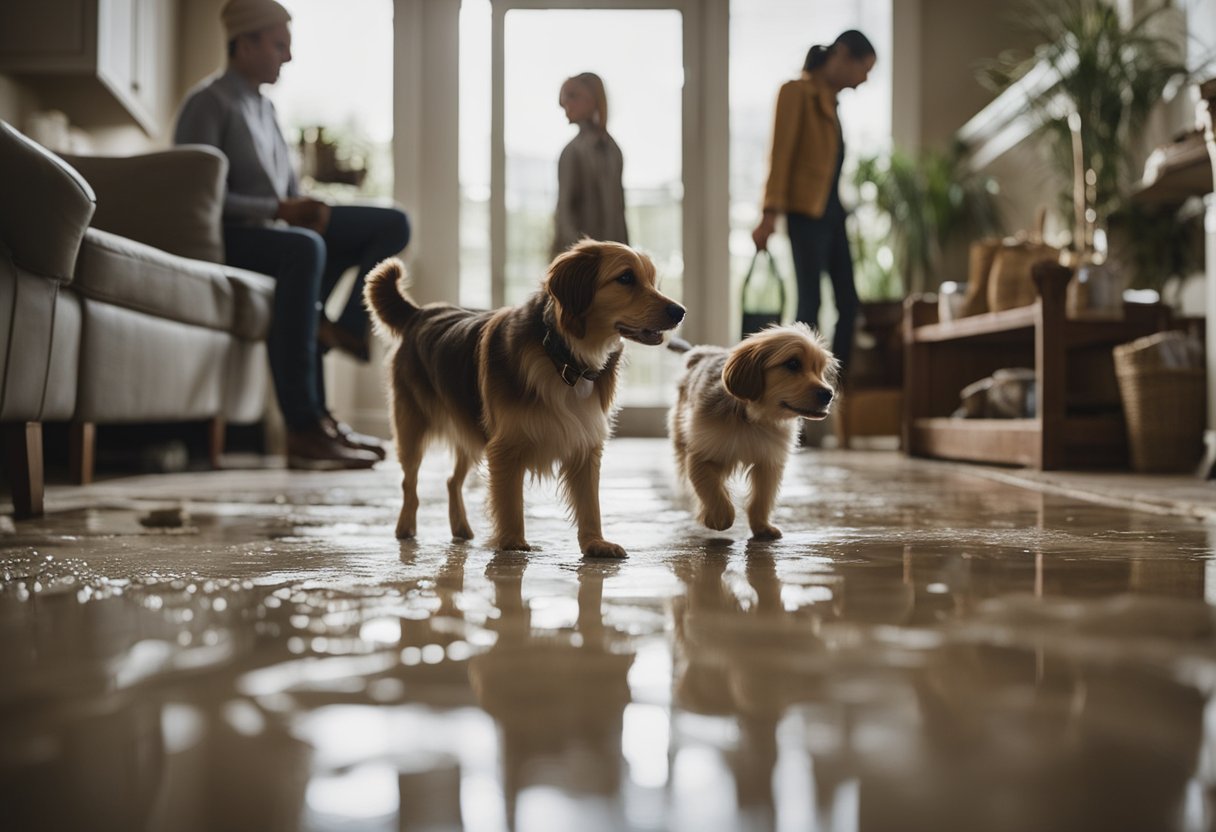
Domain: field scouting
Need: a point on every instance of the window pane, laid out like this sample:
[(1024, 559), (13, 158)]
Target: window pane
[(335, 98), (542, 49)]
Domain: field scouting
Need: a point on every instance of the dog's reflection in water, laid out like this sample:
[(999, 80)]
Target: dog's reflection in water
[(559, 695)]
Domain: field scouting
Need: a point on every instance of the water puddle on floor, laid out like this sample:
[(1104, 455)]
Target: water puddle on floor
[(986, 661)]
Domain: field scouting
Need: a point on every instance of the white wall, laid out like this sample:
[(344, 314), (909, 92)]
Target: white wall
[(200, 40), (1201, 20), (957, 36), (939, 45)]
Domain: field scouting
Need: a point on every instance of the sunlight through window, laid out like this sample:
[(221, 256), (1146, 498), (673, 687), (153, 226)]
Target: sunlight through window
[(335, 98)]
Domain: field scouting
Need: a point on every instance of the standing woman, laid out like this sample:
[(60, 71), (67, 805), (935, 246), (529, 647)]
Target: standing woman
[(804, 180), (590, 196)]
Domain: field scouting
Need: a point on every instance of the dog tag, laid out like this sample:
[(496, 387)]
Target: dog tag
[(583, 388)]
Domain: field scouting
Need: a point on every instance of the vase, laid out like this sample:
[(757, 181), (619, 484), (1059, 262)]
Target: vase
[(1095, 292)]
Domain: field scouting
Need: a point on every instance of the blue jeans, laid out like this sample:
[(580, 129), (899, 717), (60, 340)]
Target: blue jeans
[(360, 235), (306, 266), (821, 245)]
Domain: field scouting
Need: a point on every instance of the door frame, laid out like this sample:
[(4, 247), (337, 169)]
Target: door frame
[(705, 146), (427, 180)]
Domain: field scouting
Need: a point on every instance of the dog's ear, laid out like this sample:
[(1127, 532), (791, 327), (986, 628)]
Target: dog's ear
[(831, 364), (831, 371), (571, 283), (743, 375)]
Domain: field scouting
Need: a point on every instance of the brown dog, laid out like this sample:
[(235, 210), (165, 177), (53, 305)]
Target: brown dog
[(528, 387), (738, 408)]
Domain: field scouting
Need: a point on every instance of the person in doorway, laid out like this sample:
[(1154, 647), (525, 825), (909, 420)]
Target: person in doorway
[(590, 196), (804, 178), (305, 244)]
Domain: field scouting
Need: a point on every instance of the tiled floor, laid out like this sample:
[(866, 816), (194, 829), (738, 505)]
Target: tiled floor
[(926, 649)]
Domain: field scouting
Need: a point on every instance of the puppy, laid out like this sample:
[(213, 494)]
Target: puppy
[(739, 408), (527, 387)]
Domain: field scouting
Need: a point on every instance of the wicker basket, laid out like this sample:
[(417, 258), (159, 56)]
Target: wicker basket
[(982, 253), (1009, 282), (1164, 407)]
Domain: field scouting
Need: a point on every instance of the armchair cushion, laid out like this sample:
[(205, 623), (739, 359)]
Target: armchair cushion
[(47, 207), (136, 367), (253, 294), (125, 273), (172, 200)]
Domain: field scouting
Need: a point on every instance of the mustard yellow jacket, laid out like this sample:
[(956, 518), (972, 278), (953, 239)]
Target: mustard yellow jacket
[(806, 141)]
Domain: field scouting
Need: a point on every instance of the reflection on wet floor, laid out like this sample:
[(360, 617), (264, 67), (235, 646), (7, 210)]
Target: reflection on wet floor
[(924, 650)]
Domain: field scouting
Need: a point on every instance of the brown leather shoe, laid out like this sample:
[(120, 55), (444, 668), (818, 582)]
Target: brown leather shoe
[(333, 337), (349, 437), (314, 449)]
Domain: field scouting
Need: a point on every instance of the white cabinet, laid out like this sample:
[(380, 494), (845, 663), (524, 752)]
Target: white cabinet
[(103, 62)]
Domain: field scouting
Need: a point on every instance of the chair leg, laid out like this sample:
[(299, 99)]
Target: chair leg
[(23, 461), (82, 443), (215, 441)]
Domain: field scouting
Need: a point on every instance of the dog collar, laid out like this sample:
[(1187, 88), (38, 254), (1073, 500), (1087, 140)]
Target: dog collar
[(568, 370)]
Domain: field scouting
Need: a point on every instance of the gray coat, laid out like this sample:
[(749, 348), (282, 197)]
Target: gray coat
[(590, 196)]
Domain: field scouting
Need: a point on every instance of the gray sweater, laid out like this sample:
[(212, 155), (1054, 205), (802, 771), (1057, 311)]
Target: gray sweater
[(228, 113)]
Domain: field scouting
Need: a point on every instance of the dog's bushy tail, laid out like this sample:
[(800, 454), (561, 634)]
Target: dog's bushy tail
[(678, 345), (696, 354), (692, 355), (386, 299)]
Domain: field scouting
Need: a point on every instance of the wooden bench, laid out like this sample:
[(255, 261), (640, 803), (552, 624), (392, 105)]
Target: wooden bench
[(1079, 422)]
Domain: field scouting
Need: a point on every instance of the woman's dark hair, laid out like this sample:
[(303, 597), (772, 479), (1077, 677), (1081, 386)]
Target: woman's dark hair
[(855, 42)]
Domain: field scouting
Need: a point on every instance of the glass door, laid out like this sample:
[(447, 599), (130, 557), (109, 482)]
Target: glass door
[(535, 47)]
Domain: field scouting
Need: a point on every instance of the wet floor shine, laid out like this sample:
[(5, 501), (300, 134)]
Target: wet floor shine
[(925, 649)]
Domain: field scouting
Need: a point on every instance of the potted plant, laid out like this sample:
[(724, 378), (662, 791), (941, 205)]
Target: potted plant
[(1107, 76), (923, 204)]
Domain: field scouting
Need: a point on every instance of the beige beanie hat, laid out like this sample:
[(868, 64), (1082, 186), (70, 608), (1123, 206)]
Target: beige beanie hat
[(243, 16)]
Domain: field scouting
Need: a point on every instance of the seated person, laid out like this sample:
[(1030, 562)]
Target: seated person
[(305, 244)]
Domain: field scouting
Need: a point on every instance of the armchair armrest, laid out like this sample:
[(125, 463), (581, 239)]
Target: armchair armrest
[(45, 209), (171, 200)]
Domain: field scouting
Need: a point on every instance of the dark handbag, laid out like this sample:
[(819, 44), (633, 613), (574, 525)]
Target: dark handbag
[(763, 295)]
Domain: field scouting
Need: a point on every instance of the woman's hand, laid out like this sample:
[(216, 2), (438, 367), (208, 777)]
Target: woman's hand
[(764, 230)]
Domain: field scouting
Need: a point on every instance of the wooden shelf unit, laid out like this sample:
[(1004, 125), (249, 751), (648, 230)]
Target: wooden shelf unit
[(1079, 422)]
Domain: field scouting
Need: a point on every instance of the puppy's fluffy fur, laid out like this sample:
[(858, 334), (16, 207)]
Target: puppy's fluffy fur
[(739, 408), (486, 383)]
